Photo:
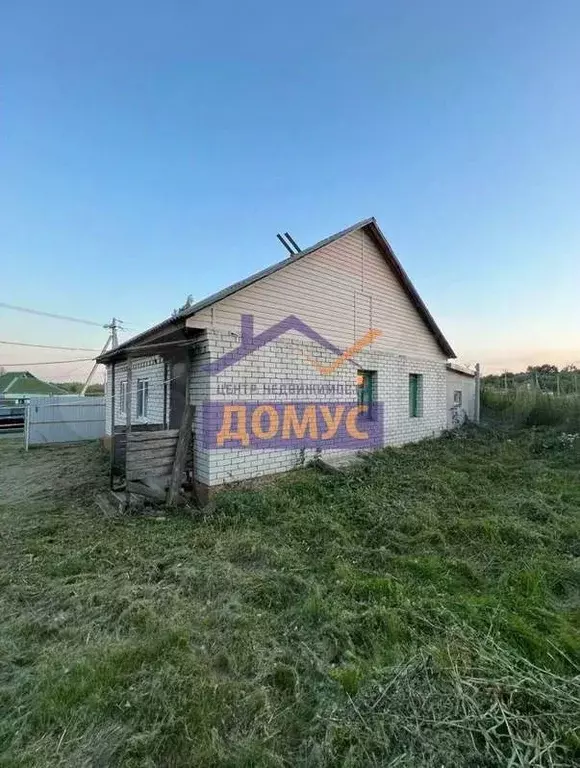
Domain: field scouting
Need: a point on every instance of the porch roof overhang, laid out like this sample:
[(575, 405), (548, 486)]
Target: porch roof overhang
[(166, 340)]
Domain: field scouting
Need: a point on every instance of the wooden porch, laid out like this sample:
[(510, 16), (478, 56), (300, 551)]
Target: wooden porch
[(154, 459)]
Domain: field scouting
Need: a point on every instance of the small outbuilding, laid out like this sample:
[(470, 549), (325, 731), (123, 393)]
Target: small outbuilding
[(462, 386)]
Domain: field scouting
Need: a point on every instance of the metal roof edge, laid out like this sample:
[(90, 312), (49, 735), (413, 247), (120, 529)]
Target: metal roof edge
[(392, 259), (458, 368), (14, 380), (412, 292), (230, 289)]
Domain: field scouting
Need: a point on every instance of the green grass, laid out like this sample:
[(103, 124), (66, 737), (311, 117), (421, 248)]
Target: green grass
[(421, 610), (532, 408)]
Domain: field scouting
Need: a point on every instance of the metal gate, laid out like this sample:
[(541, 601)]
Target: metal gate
[(64, 419)]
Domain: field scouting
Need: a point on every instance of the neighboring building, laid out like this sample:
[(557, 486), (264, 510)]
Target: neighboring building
[(20, 385), (460, 395), (282, 333)]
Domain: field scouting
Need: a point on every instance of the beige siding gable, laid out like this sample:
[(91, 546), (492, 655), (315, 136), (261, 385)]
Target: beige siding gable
[(340, 290)]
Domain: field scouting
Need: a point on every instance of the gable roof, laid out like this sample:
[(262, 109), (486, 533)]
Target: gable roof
[(26, 383), (370, 225)]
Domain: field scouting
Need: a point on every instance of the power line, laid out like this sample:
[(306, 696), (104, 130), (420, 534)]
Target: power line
[(50, 362), (68, 373), (48, 346), (53, 315)]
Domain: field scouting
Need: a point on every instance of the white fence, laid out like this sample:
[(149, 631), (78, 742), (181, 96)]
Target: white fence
[(64, 419)]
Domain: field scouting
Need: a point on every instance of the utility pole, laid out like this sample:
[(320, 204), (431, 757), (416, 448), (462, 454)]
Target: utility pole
[(113, 340), (477, 393)]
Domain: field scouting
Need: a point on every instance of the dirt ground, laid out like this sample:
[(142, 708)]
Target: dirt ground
[(49, 472)]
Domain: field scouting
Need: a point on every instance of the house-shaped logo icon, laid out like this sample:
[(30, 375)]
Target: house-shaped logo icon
[(251, 343)]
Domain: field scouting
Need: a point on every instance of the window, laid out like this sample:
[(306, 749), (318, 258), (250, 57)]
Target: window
[(123, 397), (365, 391), (415, 395), (457, 398), (142, 398)]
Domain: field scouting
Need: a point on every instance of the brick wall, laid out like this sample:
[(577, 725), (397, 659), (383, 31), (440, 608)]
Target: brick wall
[(199, 392), (152, 370), (285, 362)]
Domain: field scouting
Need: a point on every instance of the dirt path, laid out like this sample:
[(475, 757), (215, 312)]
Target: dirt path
[(49, 472)]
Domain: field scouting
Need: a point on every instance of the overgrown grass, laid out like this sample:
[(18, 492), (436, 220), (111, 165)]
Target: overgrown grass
[(533, 408), (421, 610)]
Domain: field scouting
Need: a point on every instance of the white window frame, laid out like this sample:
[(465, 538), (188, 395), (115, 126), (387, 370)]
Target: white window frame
[(457, 401), (142, 398), (123, 397)]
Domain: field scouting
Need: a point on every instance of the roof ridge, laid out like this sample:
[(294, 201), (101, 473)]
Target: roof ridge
[(254, 277)]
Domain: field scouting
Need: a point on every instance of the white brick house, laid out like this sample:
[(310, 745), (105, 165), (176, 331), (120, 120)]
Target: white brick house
[(339, 288)]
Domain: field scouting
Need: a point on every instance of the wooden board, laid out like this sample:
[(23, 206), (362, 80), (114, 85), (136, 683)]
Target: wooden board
[(142, 474), (153, 493), (158, 434), (151, 445), (185, 438), (161, 452), (120, 443), (151, 455), (150, 464)]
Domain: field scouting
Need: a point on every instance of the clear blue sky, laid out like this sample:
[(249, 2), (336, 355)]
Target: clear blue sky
[(149, 150)]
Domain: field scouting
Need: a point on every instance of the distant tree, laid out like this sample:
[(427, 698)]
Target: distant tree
[(95, 389), (545, 378), (2, 370), (545, 368), (187, 305), (74, 387)]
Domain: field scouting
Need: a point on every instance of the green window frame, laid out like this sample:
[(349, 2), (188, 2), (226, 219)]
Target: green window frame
[(365, 392), (415, 395)]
